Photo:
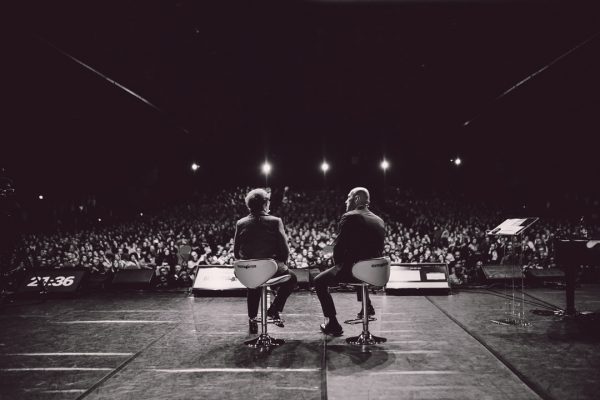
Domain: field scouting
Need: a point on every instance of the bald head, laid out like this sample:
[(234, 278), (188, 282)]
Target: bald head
[(357, 197)]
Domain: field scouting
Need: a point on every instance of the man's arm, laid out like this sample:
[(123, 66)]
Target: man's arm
[(236, 244), (343, 240), (284, 249)]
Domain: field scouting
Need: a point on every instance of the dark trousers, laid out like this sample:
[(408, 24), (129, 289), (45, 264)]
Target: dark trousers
[(331, 277), (283, 292)]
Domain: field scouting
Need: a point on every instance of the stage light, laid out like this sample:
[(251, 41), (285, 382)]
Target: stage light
[(41, 197), (384, 164), (457, 161), (141, 214), (324, 167), (195, 167), (99, 219), (266, 168)]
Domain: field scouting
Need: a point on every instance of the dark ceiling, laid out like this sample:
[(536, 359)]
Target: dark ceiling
[(235, 82)]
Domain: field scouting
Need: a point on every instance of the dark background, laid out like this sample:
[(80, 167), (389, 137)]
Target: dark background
[(352, 82)]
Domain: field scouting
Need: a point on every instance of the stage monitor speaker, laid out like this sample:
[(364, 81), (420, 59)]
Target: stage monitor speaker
[(96, 281), (502, 272), (419, 278), (303, 277), (543, 276), (217, 280), (133, 278), (548, 273), (312, 274), (55, 281)]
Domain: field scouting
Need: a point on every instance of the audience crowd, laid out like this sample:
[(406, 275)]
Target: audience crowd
[(420, 229)]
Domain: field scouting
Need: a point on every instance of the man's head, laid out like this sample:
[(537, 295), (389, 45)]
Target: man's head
[(257, 200), (357, 197)]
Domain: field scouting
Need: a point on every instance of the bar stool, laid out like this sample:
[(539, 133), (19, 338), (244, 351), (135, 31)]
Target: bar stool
[(375, 272), (258, 273)]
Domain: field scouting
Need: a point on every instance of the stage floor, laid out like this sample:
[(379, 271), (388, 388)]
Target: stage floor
[(171, 346)]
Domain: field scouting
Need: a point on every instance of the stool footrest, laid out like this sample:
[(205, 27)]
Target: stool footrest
[(358, 321), (365, 338)]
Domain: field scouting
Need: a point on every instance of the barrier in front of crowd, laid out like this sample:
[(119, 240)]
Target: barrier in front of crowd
[(62, 281), (217, 280), (133, 278), (406, 277)]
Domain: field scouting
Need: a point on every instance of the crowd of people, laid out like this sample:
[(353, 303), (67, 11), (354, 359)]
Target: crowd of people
[(177, 241)]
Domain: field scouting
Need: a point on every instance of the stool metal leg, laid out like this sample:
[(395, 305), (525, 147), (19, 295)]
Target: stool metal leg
[(365, 338), (263, 310), (264, 341)]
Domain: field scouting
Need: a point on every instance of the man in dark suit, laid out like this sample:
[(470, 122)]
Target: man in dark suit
[(260, 235), (360, 236)]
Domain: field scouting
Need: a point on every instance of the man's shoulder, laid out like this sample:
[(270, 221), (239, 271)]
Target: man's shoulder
[(361, 213), (352, 218), (272, 219), (248, 218), (352, 214), (242, 221)]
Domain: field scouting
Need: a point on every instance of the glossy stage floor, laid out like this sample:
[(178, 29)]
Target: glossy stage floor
[(172, 346)]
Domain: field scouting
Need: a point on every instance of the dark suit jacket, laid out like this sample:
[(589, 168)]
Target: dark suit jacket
[(260, 236), (360, 236)]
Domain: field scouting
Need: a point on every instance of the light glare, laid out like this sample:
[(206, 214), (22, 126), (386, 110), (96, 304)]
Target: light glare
[(266, 168)]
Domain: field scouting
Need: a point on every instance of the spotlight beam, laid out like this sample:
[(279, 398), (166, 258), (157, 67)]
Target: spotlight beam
[(533, 75), (106, 78)]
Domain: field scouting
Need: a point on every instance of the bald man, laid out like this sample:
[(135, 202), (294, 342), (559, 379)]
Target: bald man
[(360, 236)]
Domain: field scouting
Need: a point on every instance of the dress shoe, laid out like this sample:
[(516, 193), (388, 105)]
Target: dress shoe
[(274, 315), (252, 325), (370, 309), (332, 329)]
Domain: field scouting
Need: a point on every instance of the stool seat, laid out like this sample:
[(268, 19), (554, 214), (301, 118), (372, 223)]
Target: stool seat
[(258, 273), (254, 272), (372, 272), (375, 271)]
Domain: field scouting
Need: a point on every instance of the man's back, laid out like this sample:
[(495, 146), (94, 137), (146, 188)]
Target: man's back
[(260, 236), (361, 236)]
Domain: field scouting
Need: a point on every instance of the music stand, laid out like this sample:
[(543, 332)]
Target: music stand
[(514, 228)]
